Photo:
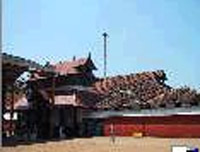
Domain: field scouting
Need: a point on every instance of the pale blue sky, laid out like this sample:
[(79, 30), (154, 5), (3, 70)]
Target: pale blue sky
[(143, 34)]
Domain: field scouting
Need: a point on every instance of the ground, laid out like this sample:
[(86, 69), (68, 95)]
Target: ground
[(104, 144)]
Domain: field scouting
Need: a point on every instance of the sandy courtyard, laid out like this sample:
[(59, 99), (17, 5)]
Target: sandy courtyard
[(104, 144)]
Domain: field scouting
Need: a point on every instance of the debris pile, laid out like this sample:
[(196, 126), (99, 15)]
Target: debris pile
[(142, 91), (181, 97)]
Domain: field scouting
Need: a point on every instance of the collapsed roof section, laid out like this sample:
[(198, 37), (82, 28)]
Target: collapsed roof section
[(102, 86), (143, 90)]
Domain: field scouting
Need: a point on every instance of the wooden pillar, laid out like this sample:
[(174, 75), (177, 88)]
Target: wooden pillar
[(51, 129), (144, 127), (4, 89), (2, 130), (75, 114), (12, 109), (53, 90)]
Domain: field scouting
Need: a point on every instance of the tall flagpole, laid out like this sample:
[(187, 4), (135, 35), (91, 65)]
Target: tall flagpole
[(105, 35)]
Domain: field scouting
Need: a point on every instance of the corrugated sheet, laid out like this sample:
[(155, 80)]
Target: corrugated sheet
[(148, 112)]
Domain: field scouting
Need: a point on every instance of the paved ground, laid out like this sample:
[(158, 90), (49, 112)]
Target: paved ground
[(104, 144)]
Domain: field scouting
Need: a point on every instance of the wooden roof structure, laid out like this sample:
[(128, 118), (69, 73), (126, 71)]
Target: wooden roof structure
[(76, 66), (14, 66)]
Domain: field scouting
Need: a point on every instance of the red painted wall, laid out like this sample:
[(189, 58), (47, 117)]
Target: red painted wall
[(165, 126)]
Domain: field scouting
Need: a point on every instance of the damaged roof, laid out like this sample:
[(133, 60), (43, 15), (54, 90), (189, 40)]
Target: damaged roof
[(143, 90)]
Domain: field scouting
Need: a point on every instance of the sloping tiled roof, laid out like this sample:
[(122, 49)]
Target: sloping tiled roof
[(71, 67), (13, 66), (19, 61)]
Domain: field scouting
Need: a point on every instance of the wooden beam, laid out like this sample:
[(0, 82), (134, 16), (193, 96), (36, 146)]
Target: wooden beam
[(53, 90), (51, 128), (12, 109)]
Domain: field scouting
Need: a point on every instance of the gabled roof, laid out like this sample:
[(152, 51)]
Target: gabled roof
[(73, 67)]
